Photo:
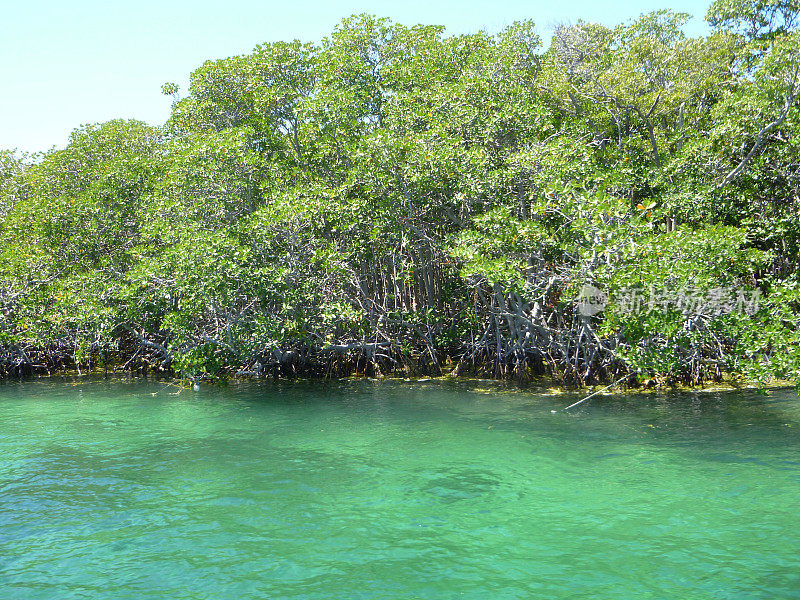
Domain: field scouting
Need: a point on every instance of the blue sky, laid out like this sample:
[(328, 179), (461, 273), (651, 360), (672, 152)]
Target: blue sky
[(67, 63)]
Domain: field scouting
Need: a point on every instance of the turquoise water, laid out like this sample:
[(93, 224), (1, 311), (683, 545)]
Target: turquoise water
[(368, 490)]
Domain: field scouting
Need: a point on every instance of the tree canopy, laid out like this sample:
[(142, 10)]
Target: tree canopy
[(394, 198)]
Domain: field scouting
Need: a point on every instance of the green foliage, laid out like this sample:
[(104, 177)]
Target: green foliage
[(755, 19), (438, 196)]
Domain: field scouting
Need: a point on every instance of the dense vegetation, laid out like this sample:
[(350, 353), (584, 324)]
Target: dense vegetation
[(397, 199)]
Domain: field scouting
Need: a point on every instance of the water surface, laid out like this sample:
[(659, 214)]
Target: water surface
[(125, 489)]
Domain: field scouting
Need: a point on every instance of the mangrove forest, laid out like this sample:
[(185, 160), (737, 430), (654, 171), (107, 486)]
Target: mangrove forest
[(611, 204)]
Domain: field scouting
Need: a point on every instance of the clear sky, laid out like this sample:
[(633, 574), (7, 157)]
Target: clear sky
[(64, 63)]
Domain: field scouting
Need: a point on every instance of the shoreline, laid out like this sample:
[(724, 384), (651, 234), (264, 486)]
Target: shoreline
[(546, 385)]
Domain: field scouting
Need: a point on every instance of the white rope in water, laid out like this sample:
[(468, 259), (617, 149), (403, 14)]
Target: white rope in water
[(618, 381)]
